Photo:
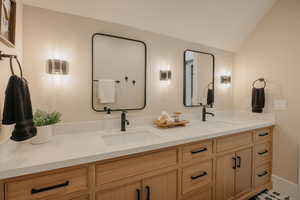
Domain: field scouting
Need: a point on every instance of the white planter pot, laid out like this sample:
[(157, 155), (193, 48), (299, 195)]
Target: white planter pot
[(44, 135)]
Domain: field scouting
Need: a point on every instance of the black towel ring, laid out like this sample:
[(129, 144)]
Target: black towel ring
[(260, 80), (11, 65)]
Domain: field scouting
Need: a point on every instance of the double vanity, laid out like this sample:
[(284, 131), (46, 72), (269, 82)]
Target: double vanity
[(229, 158)]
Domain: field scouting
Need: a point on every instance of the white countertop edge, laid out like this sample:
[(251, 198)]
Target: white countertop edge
[(115, 154)]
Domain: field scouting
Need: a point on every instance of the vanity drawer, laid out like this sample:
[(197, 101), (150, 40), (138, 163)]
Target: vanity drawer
[(262, 174), (125, 168), (198, 150), (262, 153), (48, 186), (205, 194), (262, 135), (233, 141), (83, 197), (197, 176)]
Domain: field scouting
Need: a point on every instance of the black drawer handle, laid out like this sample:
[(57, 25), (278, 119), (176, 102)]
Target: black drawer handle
[(264, 152), (148, 193), (199, 150), (199, 176), (239, 162), (138, 194), (234, 163), (262, 174), (263, 134), (35, 191)]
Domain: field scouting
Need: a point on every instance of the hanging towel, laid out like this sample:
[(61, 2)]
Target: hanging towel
[(106, 91), (258, 100), (18, 110), (210, 97)]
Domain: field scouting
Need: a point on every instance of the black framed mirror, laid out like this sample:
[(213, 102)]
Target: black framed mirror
[(119, 70), (199, 81)]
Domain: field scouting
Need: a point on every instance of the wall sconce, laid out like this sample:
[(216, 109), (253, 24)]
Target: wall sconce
[(226, 79), (165, 75), (56, 66)]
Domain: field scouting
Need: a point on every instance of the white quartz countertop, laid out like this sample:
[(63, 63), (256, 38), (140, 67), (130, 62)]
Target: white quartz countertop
[(73, 148)]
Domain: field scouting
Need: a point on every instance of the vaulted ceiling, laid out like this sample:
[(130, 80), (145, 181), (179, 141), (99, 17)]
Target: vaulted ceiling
[(224, 24)]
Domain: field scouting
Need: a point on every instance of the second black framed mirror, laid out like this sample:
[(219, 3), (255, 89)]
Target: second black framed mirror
[(199, 78)]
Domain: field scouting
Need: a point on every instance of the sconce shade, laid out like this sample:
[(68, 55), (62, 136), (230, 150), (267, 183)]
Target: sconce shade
[(165, 75), (56, 66)]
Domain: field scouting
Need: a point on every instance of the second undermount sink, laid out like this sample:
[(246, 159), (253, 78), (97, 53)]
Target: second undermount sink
[(129, 137), (214, 124)]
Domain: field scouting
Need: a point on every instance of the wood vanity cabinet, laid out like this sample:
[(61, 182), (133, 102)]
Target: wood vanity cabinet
[(131, 191), (233, 167), (234, 174), (158, 187)]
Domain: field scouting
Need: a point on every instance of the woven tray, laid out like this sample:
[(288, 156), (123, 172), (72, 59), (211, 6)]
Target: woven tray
[(170, 125)]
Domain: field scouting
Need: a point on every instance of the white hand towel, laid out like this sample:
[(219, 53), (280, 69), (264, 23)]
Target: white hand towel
[(106, 91)]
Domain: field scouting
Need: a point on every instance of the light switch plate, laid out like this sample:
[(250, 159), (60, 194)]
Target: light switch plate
[(280, 104)]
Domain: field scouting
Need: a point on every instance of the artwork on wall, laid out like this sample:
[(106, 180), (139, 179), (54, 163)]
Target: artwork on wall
[(8, 22)]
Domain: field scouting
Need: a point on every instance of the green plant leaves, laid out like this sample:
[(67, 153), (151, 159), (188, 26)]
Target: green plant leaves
[(42, 118)]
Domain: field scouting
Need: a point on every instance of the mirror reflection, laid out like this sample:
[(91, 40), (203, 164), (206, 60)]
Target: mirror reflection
[(198, 78), (119, 73)]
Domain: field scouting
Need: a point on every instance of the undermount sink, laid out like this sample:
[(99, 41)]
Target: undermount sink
[(214, 124), (129, 137)]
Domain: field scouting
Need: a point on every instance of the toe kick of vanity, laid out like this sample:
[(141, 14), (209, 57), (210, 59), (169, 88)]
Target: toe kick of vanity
[(235, 166)]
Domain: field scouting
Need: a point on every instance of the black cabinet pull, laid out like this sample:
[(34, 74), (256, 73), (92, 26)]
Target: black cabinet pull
[(148, 193), (264, 152), (199, 176), (138, 194), (239, 162), (262, 174), (199, 150), (234, 163), (263, 134), (35, 191)]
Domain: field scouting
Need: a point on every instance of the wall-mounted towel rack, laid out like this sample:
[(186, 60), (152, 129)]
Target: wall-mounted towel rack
[(11, 57), (117, 81)]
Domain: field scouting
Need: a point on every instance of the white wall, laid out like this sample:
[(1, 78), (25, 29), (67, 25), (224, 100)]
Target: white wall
[(50, 34), (273, 52)]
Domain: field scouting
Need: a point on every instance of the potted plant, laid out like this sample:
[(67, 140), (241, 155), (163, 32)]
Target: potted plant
[(43, 122)]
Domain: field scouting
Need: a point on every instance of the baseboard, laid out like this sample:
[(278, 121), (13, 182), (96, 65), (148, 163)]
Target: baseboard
[(285, 187)]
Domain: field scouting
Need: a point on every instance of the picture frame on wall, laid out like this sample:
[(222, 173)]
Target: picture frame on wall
[(8, 22)]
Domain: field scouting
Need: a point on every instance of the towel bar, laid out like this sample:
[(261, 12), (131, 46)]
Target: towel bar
[(3, 55)]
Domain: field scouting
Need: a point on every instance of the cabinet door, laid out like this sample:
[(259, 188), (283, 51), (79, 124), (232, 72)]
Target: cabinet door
[(161, 187), (243, 171), (225, 177), (131, 191)]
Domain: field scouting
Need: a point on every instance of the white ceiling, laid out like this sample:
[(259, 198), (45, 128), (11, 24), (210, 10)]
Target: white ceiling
[(224, 24)]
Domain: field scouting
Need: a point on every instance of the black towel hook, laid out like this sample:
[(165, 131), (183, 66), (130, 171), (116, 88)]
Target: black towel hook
[(260, 80), (11, 65)]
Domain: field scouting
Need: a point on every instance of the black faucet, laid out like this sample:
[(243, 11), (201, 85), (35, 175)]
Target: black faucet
[(124, 121), (204, 113)]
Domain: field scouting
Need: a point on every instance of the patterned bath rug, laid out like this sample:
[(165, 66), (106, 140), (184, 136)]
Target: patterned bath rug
[(271, 195)]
